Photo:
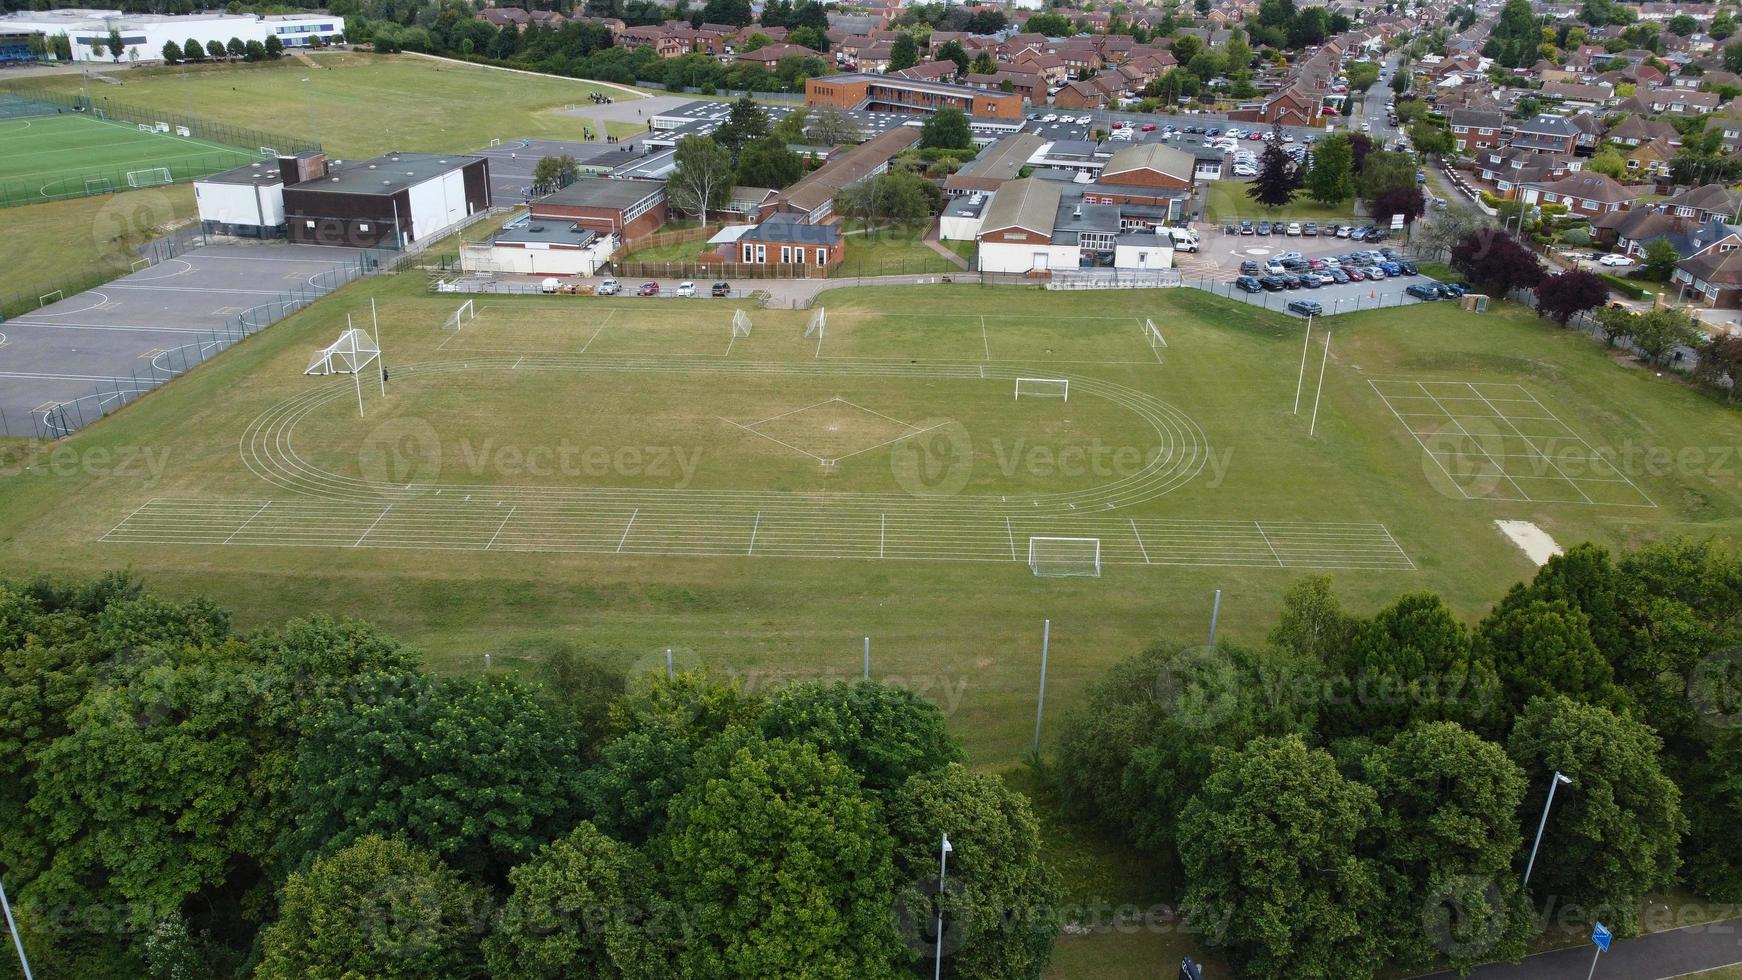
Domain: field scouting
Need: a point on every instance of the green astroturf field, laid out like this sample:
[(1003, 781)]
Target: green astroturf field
[(54, 156)]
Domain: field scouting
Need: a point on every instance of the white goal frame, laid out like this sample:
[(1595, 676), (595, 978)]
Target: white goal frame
[(1064, 557), (1061, 388), (267, 151), (495, 142), (350, 354), (1153, 335), (818, 323), (145, 128), (150, 177), (99, 185), (740, 324), (460, 317)]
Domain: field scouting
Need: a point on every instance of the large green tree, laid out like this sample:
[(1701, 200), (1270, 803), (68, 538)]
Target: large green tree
[(885, 734), (1278, 178), (1275, 875), (1445, 841), (1000, 899), (1544, 647), (946, 129), (1331, 181), (746, 122), (769, 163), (380, 909), (703, 179), (1613, 834), (783, 862), (1413, 662)]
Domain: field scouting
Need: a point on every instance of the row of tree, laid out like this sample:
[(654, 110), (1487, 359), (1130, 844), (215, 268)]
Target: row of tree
[(1359, 790), (175, 54), (182, 799), (1336, 169)]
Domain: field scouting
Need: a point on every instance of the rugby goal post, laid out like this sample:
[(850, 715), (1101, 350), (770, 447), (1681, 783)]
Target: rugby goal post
[(818, 321), (1064, 557), (1043, 388), (740, 324), (1152, 334), (460, 317), (149, 177), (350, 354)]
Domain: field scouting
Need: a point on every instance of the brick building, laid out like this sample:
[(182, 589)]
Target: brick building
[(626, 208), (883, 93)]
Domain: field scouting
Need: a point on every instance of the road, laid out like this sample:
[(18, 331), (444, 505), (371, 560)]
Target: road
[(1658, 956)]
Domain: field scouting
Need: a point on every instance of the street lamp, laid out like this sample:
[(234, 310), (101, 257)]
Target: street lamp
[(944, 850), (17, 940), (1558, 781)]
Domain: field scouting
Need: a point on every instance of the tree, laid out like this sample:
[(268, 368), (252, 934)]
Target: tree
[(378, 908), (1660, 260), (1496, 262), (216, 50), (1000, 897), (1386, 171), (552, 172), (1543, 648), (952, 50), (1720, 364), (1275, 874), (254, 51), (769, 163), (783, 863), (1447, 835), (235, 48), (703, 178), (734, 12), (1406, 201), (790, 129), (171, 52), (1658, 332), (191, 51), (983, 64), (1564, 294), (1185, 48), (946, 129), (1049, 24), (1681, 25), (117, 46), (834, 128), (745, 124), (1313, 623), (477, 771), (1412, 662), (1723, 25), (1237, 53), (885, 734), (1608, 163), (1362, 75), (904, 53), (1278, 178), (583, 906), (1400, 82), (273, 46), (1617, 828), (1714, 804), (1615, 323)]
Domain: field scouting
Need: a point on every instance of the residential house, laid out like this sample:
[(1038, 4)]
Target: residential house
[(1584, 193), (1705, 203), (1509, 169), (1545, 134), (1713, 277), (1477, 129)]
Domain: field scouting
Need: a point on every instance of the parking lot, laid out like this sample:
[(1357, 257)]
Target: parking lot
[(1214, 268)]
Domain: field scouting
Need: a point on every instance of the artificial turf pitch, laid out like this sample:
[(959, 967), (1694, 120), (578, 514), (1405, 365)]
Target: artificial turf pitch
[(63, 155)]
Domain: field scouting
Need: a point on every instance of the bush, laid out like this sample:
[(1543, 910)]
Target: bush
[(1632, 290)]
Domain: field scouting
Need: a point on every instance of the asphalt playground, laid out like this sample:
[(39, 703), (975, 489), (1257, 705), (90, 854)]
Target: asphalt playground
[(97, 349)]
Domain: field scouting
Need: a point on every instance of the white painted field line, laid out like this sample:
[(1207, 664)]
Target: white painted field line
[(499, 527), (626, 529), (882, 532), (1400, 552), (1011, 533), (753, 529), (1260, 529), (247, 522), (1139, 537), (129, 517), (987, 343), (371, 527), (1527, 441)]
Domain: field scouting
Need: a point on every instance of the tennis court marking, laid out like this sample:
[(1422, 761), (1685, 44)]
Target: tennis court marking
[(1401, 396), (801, 531)]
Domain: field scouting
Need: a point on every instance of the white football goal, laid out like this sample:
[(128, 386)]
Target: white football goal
[(740, 324), (350, 354), (98, 185), (145, 128), (1043, 388), (150, 177), (460, 317), (267, 151), (1153, 335), (818, 321), (1060, 557)]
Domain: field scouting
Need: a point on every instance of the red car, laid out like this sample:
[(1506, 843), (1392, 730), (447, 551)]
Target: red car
[(648, 289), (1149, 127), (1354, 274)]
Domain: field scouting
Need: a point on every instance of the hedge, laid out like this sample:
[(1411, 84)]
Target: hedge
[(1625, 287)]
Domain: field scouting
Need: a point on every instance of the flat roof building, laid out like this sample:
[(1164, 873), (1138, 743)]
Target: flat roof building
[(887, 93)]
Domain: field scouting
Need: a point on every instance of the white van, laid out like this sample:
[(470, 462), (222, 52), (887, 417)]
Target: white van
[(1184, 239), (550, 285)]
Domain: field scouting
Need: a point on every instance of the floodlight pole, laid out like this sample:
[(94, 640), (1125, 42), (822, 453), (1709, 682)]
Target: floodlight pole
[(944, 850), (867, 675), (18, 941), (1215, 613), (1300, 380), (1040, 705), (669, 674), (380, 365), (1314, 427), (1543, 823)]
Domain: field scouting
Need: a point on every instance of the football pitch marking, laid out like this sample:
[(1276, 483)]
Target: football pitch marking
[(1504, 453)]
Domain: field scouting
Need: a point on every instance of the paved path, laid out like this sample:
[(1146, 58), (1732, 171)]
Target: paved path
[(1659, 956), (931, 242)]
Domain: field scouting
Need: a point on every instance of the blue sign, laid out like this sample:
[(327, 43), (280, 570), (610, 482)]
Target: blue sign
[(1601, 935)]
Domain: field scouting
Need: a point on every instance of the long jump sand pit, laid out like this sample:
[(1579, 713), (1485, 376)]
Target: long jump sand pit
[(1530, 539)]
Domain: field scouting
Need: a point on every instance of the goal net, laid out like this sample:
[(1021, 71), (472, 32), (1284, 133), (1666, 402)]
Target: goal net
[(740, 324), (1043, 388), (1060, 557), (98, 185), (350, 354), (267, 151), (1153, 335), (460, 317), (144, 128), (818, 320), (150, 177)]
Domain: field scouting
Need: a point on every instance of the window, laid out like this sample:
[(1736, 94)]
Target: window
[(785, 255), (749, 253), (822, 256), (762, 254)]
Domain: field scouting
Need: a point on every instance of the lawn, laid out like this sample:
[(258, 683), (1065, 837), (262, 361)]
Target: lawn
[(76, 244), (361, 105), (630, 476), (891, 252), (1227, 201)]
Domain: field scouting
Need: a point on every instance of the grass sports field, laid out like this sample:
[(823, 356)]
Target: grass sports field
[(631, 476), (44, 158), (362, 105)]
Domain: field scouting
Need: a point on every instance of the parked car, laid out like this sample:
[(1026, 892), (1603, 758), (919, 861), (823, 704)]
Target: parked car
[(1250, 267), (1275, 267), (610, 287), (1451, 290), (1288, 256), (649, 288), (550, 285), (1391, 268), (1422, 291), (1311, 280), (1246, 228), (1408, 268), (1292, 282), (1264, 227), (1346, 231), (1249, 284), (1317, 265), (1272, 284), (1305, 307), (685, 289), (722, 289), (1354, 273), (1615, 261), (1245, 170), (1294, 229), (1149, 127), (1310, 229), (1338, 276)]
